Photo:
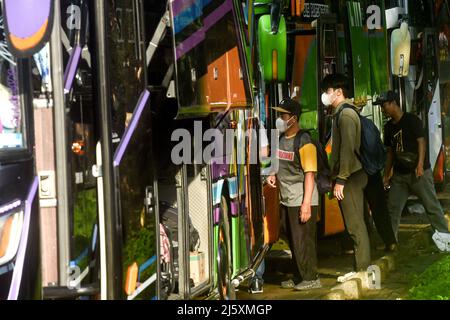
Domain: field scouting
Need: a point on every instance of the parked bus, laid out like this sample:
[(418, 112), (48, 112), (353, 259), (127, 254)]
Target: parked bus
[(355, 38), (125, 94), (129, 74)]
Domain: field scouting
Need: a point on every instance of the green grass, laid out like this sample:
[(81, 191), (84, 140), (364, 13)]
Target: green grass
[(84, 219), (433, 283)]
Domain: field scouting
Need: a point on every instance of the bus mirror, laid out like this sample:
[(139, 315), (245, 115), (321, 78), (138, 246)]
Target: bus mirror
[(392, 17), (400, 51), (26, 39)]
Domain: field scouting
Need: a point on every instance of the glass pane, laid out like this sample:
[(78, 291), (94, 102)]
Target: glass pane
[(82, 138), (135, 176), (12, 135)]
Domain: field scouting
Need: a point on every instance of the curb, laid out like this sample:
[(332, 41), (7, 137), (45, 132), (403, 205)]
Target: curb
[(360, 283), (354, 288)]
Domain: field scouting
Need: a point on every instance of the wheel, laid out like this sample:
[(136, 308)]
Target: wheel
[(224, 272)]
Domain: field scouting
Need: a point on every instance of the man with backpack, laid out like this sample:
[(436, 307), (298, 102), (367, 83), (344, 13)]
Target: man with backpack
[(299, 195), (348, 173)]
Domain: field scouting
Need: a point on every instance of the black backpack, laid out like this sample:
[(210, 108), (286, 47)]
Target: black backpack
[(372, 152), (323, 178), (169, 219), (169, 272)]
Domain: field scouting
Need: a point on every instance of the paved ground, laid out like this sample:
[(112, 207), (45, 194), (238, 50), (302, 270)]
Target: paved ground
[(415, 253)]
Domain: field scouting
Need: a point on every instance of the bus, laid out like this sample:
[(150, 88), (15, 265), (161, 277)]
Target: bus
[(130, 81), (355, 38), (107, 121)]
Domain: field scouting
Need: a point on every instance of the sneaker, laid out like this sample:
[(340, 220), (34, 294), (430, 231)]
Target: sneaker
[(346, 277), (388, 247), (308, 285), (288, 284), (362, 275), (442, 241), (256, 286)]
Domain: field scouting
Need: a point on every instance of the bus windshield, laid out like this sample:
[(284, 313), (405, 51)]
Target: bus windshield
[(11, 115)]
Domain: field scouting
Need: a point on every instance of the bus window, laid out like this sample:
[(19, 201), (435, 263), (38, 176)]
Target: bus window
[(12, 134)]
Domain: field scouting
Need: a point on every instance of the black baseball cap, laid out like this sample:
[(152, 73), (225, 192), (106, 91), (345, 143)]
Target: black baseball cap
[(289, 106), (387, 96)]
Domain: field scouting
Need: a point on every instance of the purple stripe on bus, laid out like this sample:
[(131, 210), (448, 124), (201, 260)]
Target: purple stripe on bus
[(198, 36), (190, 43), (217, 14), (71, 68), (219, 170), (216, 215), (179, 5), (131, 128), (234, 208), (20, 259), (26, 17)]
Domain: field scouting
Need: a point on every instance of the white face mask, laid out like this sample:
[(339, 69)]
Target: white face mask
[(282, 125), (328, 99)]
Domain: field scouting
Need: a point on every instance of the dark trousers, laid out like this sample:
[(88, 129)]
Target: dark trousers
[(302, 240), (402, 185), (377, 200), (352, 208)]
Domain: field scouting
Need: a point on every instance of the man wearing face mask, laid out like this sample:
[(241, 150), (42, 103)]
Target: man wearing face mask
[(348, 173), (299, 195)]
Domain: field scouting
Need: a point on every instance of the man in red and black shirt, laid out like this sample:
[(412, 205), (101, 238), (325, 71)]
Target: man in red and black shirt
[(299, 195)]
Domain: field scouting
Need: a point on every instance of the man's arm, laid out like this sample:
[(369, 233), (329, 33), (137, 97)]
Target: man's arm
[(388, 166), (347, 127), (422, 149), (305, 211), (308, 159)]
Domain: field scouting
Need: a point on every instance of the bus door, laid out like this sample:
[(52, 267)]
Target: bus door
[(76, 138), (19, 219), (108, 233), (212, 81), (129, 103)]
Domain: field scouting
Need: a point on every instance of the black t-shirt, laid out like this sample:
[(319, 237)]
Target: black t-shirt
[(402, 137)]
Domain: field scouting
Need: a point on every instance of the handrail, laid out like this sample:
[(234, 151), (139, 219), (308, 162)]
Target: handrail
[(131, 128)]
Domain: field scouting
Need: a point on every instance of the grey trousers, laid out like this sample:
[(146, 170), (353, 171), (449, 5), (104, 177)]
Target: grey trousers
[(352, 208), (402, 185)]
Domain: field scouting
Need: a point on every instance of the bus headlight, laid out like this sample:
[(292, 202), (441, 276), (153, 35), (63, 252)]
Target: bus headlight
[(11, 224)]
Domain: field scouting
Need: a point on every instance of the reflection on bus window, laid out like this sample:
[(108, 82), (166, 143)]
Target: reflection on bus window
[(11, 119), (11, 129)]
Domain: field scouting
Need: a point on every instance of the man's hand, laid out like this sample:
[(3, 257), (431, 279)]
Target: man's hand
[(305, 213), (339, 192), (272, 181), (386, 182), (419, 171)]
